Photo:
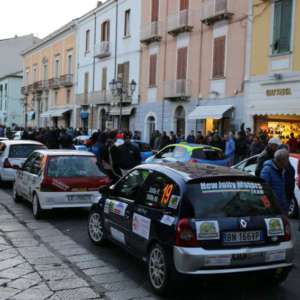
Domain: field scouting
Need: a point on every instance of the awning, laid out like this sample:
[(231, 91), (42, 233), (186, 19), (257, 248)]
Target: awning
[(286, 107), (209, 112), (55, 113), (126, 111)]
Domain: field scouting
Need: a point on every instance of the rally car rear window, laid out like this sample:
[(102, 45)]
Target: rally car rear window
[(231, 199), (23, 150), (207, 154)]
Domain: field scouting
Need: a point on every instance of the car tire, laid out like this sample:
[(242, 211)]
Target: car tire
[(37, 211), (16, 197), (160, 270), (293, 209), (278, 276), (96, 228)]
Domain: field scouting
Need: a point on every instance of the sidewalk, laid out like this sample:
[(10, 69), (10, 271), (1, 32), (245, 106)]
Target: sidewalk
[(37, 261)]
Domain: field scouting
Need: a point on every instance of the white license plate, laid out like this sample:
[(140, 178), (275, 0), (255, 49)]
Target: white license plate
[(79, 198), (242, 237)]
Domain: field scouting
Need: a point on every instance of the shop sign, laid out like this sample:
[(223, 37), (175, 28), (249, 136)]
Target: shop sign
[(279, 92)]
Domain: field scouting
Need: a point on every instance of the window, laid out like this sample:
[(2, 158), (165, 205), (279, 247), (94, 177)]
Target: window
[(37, 164), (56, 98), (127, 23), (1, 96), (5, 97), (104, 79), (56, 67), (69, 65), (154, 10), (87, 41), (68, 96), (219, 57), (165, 153), (181, 63), (23, 150), (152, 70), (86, 83), (220, 5), (282, 26), (123, 72), (105, 31), (34, 73), (208, 154), (184, 5), (45, 71), (27, 77)]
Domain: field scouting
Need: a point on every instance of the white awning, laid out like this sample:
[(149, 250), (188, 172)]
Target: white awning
[(286, 107), (58, 112), (126, 111), (209, 112)]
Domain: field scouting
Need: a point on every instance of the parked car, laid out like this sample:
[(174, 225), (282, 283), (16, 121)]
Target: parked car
[(185, 152), (3, 139), (194, 219), (13, 154), (249, 165), (59, 179), (144, 148), (79, 142)]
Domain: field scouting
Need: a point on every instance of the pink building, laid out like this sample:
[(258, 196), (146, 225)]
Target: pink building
[(192, 65)]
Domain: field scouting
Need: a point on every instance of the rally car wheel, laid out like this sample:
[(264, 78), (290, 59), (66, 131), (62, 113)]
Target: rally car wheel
[(293, 209), (37, 211), (159, 270), (96, 228)]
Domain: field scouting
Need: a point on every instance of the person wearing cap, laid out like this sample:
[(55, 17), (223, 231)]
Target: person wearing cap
[(267, 154)]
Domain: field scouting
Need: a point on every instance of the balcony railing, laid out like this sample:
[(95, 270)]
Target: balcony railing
[(181, 22), (82, 99), (177, 89), (102, 49), (151, 33), (217, 10), (66, 80), (100, 97), (54, 83)]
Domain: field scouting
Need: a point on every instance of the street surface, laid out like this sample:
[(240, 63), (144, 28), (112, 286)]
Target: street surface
[(76, 269)]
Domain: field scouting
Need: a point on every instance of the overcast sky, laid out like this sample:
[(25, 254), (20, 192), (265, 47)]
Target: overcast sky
[(41, 17)]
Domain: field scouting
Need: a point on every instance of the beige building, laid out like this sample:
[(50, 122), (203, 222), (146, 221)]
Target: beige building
[(49, 78), (192, 65)]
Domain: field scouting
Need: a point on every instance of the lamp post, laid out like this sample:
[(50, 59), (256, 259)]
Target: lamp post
[(120, 88)]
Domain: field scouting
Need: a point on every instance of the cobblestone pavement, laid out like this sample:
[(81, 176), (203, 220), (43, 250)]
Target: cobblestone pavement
[(37, 261)]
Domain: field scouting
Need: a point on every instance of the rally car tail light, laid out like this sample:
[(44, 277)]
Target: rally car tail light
[(7, 164), (287, 229), (185, 235), (47, 185)]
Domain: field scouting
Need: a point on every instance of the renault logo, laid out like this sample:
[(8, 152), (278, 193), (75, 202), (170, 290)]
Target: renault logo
[(243, 223)]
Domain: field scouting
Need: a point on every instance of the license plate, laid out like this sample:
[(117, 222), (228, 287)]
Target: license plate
[(242, 237), (79, 198)]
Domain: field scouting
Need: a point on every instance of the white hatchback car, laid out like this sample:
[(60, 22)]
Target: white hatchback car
[(59, 179), (13, 154)]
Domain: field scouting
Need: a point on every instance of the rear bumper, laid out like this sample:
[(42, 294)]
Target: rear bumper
[(8, 174), (207, 262), (50, 200)]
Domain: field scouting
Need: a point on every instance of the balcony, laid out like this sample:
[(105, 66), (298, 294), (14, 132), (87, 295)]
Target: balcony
[(100, 97), (102, 49), (179, 23), (66, 80), (82, 99), (151, 33), (54, 83), (216, 10), (177, 89), (38, 86)]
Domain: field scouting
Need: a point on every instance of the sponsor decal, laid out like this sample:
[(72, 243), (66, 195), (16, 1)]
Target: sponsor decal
[(60, 185), (275, 227), (117, 235), (141, 226), (223, 260), (207, 230), (167, 220), (167, 192), (115, 207), (276, 255), (240, 186), (174, 201)]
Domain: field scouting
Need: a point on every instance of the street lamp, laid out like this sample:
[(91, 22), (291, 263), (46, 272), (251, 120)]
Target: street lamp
[(119, 88)]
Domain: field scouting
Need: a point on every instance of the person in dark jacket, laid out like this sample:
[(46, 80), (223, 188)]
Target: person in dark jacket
[(273, 173), (164, 140), (267, 154), (256, 146)]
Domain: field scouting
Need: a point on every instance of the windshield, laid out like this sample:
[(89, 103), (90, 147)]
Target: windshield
[(73, 166), (231, 199), (207, 154), (23, 150)]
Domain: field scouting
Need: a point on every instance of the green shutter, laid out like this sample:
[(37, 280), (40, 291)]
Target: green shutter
[(286, 26), (276, 27)]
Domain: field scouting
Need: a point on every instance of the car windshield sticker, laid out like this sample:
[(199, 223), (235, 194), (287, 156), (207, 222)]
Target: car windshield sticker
[(167, 220), (265, 201), (141, 226), (60, 185), (207, 230), (173, 203), (167, 192), (153, 195), (117, 235), (234, 186), (116, 207), (275, 227)]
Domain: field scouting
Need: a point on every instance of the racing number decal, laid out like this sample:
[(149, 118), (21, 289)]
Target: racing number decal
[(167, 192)]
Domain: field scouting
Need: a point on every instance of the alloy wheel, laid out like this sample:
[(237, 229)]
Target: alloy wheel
[(157, 268), (95, 227)]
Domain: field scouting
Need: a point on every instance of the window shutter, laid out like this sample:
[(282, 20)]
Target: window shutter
[(108, 31), (120, 71), (276, 26), (286, 25), (104, 79), (86, 83), (184, 4), (152, 70), (181, 63), (219, 57), (154, 13), (220, 5), (126, 73)]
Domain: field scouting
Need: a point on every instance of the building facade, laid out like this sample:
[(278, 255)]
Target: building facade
[(49, 79), (273, 85), (11, 105), (192, 65), (108, 43)]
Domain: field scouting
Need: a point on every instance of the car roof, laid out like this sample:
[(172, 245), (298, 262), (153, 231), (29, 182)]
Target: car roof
[(193, 146), (192, 171), (64, 152), (20, 142)]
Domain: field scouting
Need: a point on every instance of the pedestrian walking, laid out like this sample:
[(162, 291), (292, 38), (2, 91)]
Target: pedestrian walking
[(229, 148)]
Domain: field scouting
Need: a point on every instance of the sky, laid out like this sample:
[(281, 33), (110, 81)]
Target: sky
[(40, 17)]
